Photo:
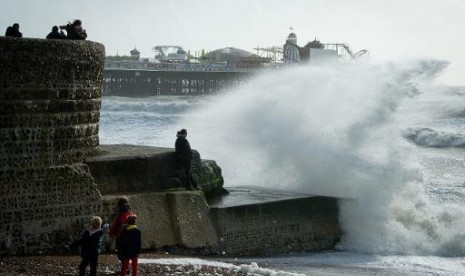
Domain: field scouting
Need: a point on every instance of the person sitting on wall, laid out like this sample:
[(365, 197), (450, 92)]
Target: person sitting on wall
[(13, 31), (123, 211), (184, 153), (56, 34), (74, 30)]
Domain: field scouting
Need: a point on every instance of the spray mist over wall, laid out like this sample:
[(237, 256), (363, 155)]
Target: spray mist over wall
[(336, 130)]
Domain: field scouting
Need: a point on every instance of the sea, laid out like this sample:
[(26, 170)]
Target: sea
[(387, 139)]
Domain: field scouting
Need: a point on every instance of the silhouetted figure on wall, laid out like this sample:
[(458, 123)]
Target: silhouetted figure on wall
[(184, 153), (13, 31), (75, 30), (56, 34)]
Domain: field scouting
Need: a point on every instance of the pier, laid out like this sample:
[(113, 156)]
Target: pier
[(145, 83)]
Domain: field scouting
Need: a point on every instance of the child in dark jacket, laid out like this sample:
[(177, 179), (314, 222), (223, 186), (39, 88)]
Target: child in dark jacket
[(130, 245), (123, 211), (90, 245)]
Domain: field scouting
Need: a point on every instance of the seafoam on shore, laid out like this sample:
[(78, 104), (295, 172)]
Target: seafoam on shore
[(251, 269), (322, 264)]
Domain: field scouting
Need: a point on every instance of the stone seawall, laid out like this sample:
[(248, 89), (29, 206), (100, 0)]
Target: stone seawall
[(49, 120), (300, 224)]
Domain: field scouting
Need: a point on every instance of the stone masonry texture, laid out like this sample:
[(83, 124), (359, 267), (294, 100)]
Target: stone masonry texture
[(49, 121)]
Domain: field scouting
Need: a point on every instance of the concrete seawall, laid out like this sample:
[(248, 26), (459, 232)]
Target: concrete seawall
[(298, 224), (276, 222)]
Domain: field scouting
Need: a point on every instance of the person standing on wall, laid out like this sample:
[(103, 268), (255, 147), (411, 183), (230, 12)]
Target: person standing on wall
[(184, 154), (74, 30)]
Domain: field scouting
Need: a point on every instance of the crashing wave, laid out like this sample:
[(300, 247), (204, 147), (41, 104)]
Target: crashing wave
[(427, 137)]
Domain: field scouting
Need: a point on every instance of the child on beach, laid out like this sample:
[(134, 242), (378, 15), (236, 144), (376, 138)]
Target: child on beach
[(123, 211), (130, 245), (90, 245)]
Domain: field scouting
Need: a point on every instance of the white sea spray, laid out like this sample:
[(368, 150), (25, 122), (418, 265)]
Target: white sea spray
[(338, 131)]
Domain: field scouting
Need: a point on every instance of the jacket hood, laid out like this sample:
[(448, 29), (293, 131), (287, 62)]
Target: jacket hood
[(179, 135)]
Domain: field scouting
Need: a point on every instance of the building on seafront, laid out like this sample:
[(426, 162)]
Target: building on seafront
[(316, 51)]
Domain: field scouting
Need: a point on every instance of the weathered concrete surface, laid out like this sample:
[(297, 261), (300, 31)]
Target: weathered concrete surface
[(127, 169), (49, 115), (191, 218), (170, 219), (301, 224)]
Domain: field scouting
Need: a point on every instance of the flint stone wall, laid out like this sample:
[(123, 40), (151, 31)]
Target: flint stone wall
[(49, 121)]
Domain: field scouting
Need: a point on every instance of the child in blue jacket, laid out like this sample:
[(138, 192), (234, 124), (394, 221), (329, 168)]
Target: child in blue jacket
[(90, 246)]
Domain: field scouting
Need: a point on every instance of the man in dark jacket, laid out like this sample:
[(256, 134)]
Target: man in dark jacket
[(55, 34), (184, 153), (13, 31), (131, 244)]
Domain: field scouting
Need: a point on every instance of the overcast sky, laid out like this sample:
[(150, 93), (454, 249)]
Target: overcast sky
[(389, 29)]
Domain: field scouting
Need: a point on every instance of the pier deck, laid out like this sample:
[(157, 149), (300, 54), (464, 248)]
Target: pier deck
[(145, 83)]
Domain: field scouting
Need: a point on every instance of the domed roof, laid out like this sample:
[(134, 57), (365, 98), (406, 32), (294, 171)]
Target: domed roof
[(230, 51), (292, 35), (292, 38), (230, 55), (135, 52)]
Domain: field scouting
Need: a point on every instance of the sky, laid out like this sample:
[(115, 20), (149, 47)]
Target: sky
[(390, 30)]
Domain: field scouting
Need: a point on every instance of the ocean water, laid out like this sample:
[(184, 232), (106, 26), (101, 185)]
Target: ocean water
[(387, 135)]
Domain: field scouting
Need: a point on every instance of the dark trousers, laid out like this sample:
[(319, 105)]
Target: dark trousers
[(86, 260), (190, 182)]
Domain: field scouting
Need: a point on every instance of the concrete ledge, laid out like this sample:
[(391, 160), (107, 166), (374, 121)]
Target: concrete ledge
[(129, 169), (123, 169), (170, 219), (300, 224)]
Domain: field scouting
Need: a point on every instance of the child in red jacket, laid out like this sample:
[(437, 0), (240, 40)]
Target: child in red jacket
[(130, 245), (123, 211)]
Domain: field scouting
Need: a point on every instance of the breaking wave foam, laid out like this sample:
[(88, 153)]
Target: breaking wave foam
[(335, 130)]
